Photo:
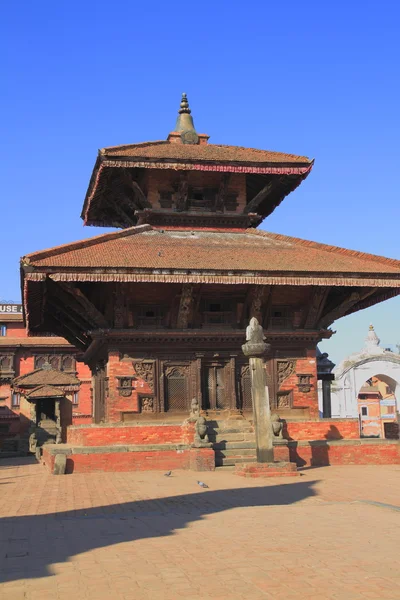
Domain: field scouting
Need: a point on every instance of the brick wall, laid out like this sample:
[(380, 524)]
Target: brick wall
[(337, 453), (195, 459), (326, 429), (125, 434), (116, 404), (301, 399)]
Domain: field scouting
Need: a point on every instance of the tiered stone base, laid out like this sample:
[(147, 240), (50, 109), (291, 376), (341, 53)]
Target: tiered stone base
[(161, 457), (275, 469)]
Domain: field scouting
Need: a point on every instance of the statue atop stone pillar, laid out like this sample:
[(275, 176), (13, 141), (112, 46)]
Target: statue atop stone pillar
[(255, 348)]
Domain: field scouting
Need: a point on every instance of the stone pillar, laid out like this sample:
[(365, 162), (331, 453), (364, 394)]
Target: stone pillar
[(255, 348)]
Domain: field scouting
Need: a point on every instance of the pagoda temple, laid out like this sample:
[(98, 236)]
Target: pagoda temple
[(158, 309)]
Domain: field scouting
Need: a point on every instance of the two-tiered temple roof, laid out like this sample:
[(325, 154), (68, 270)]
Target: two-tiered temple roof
[(175, 232)]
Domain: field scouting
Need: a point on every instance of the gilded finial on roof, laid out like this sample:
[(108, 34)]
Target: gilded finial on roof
[(184, 124), (371, 327), (184, 108)]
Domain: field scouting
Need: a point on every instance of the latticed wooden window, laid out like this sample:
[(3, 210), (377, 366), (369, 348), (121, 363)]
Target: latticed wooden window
[(177, 396)]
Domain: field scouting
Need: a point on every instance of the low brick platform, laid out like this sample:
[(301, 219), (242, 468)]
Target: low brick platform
[(318, 453), (275, 469), (160, 457)]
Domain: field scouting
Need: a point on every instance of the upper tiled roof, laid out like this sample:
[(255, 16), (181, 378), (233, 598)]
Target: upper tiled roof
[(166, 150), (147, 248)]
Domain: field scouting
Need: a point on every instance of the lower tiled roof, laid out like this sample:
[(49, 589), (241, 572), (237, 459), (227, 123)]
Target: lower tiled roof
[(144, 247)]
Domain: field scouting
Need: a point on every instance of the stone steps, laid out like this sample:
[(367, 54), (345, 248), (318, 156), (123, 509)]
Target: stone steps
[(233, 443), (235, 460)]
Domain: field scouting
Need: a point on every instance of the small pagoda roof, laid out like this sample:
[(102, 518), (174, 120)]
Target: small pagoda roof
[(235, 156), (45, 391), (46, 377), (115, 195)]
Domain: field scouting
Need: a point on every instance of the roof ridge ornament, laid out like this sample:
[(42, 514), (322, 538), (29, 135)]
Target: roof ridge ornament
[(184, 123)]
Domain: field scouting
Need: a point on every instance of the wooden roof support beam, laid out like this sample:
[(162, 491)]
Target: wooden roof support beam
[(69, 313), (253, 205), (58, 292), (94, 314), (127, 220), (66, 331), (318, 301), (342, 309), (137, 191), (222, 192)]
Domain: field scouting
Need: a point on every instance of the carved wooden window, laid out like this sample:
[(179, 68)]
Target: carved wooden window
[(68, 363), (281, 317), (217, 314), (57, 361), (201, 199), (214, 387), (6, 365), (177, 388), (284, 399), (150, 317), (231, 202), (165, 199)]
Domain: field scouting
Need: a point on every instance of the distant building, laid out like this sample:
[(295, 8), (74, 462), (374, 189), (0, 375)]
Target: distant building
[(23, 361), (366, 386)]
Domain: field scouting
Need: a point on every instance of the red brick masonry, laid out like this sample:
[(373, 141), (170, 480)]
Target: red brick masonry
[(84, 460)]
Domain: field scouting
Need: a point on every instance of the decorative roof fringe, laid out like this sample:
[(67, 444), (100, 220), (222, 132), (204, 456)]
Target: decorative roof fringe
[(217, 279)]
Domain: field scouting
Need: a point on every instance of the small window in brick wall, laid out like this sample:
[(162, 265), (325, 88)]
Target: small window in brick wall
[(364, 411), (75, 398), (15, 400), (3, 330)]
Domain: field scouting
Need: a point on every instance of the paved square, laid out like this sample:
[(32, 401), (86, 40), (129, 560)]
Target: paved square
[(334, 532)]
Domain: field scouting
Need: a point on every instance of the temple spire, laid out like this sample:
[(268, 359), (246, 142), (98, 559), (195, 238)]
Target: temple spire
[(184, 121)]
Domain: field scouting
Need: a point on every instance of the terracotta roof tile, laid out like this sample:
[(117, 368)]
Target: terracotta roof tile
[(207, 152), (45, 391), (46, 377), (33, 341), (252, 250)]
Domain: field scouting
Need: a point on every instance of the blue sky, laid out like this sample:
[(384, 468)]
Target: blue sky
[(314, 78)]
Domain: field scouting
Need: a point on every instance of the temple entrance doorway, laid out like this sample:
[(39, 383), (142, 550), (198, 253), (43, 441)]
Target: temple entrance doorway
[(45, 410)]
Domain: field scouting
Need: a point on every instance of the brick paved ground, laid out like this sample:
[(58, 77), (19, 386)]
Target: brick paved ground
[(332, 533)]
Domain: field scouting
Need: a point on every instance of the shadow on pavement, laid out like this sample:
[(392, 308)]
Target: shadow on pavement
[(29, 545)]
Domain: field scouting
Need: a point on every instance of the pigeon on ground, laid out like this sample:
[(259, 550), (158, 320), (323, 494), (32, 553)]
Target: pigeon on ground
[(168, 474), (201, 484)]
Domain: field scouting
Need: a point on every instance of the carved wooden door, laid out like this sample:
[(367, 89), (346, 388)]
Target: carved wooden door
[(214, 387), (177, 389)]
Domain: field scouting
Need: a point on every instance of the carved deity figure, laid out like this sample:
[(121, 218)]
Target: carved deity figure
[(254, 332), (200, 436), (277, 426), (194, 409)]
